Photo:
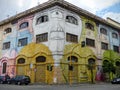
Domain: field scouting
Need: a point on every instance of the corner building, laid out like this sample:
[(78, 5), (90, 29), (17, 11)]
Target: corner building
[(55, 42)]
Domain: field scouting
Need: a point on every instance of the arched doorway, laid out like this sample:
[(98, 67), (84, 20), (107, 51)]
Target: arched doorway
[(91, 68), (40, 75), (72, 69), (21, 66), (91, 61)]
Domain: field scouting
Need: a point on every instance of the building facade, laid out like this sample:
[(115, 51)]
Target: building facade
[(56, 42)]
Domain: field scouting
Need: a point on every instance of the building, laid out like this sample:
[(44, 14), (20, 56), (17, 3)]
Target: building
[(56, 42)]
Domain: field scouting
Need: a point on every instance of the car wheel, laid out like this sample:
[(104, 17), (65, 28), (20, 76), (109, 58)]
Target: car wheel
[(26, 83), (8, 82), (18, 83), (1, 82)]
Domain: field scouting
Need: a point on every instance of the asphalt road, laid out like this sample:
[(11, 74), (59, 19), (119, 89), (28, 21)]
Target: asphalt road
[(61, 87)]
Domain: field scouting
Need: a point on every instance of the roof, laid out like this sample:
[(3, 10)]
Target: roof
[(63, 4)]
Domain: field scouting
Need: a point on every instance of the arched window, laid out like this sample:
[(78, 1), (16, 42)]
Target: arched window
[(24, 25), (4, 67), (40, 59), (91, 63), (73, 59), (114, 35), (21, 61), (72, 20), (89, 26), (42, 19), (8, 30), (103, 31)]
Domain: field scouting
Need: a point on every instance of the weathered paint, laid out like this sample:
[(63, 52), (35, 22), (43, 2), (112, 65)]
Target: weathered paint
[(30, 53), (56, 49)]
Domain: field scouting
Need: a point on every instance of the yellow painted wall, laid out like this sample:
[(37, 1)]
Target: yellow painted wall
[(29, 53), (83, 54)]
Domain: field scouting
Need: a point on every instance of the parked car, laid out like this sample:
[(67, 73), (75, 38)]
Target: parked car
[(19, 79), (116, 81), (3, 79), (11, 80)]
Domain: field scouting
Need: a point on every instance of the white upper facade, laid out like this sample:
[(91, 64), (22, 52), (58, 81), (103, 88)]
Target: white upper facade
[(57, 26)]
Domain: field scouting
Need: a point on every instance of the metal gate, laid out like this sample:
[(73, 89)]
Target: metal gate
[(73, 73), (40, 75), (21, 70)]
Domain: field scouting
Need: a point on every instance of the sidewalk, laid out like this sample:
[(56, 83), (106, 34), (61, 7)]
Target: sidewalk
[(78, 84)]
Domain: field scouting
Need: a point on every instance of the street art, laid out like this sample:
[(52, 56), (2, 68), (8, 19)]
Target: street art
[(9, 55), (71, 48)]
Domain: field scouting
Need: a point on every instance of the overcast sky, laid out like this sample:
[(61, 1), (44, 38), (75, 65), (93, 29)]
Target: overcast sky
[(102, 8)]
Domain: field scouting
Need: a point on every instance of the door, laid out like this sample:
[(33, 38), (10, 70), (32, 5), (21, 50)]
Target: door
[(40, 73)]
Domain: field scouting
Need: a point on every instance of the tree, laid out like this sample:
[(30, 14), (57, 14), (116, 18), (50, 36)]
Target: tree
[(118, 69), (108, 67)]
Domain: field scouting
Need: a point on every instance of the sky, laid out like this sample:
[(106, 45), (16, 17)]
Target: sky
[(101, 8)]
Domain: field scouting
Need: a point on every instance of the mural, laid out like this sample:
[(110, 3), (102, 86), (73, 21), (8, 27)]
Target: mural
[(79, 72), (9, 55), (37, 58), (69, 48)]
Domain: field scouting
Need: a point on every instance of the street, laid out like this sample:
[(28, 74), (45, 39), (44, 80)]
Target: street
[(61, 87)]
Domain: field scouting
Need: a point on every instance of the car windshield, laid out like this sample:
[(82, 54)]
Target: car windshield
[(1, 76), (19, 77)]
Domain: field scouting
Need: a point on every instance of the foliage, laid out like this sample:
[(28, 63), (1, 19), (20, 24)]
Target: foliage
[(110, 55), (117, 71), (108, 67)]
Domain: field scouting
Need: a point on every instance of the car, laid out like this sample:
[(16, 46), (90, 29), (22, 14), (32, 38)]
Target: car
[(116, 81), (3, 79), (19, 79), (11, 80)]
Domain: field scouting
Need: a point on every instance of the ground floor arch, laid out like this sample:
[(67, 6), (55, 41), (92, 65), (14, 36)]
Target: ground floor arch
[(40, 69), (21, 63), (72, 69), (33, 60), (75, 63)]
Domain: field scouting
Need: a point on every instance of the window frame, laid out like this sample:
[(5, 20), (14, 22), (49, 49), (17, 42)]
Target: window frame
[(114, 35), (116, 48), (103, 31), (7, 30), (40, 59), (89, 26), (20, 42), (71, 38), (42, 37), (6, 45), (21, 61), (73, 59), (71, 19), (104, 46), (24, 25), (42, 19), (89, 42)]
